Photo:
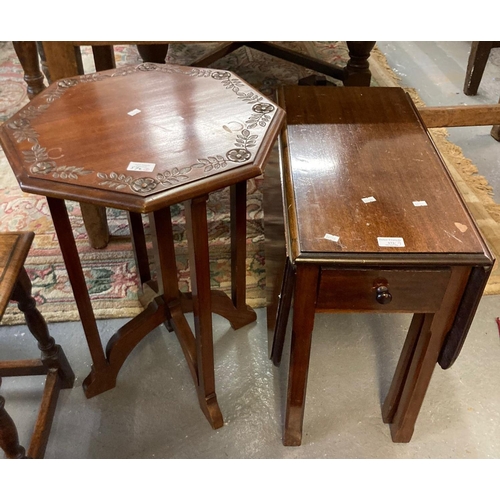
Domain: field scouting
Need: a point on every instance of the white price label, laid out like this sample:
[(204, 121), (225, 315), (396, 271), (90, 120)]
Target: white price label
[(370, 199), (134, 112), (137, 166), (391, 242), (420, 203), (331, 237)]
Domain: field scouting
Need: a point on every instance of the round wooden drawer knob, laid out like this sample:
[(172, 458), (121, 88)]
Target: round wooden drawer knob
[(383, 295)]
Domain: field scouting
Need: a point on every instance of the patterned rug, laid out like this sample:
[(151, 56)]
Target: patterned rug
[(110, 273)]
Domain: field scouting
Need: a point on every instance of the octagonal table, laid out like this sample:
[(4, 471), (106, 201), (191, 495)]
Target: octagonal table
[(142, 138)]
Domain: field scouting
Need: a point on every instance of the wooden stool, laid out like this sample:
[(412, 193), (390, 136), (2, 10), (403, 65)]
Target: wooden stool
[(16, 285), (478, 57), (141, 139), (368, 219)]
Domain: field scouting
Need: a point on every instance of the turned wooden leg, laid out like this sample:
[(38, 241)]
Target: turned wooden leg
[(155, 52), (104, 57), (52, 354), (197, 234), (43, 61), (303, 323), (357, 71), (27, 53), (285, 301), (9, 439)]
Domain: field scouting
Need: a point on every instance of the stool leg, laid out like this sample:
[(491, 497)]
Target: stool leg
[(197, 234), (156, 52), (478, 57), (9, 439), (27, 54), (357, 71), (52, 355), (303, 323)]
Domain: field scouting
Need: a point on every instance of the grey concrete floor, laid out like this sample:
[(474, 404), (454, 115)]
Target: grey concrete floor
[(153, 411)]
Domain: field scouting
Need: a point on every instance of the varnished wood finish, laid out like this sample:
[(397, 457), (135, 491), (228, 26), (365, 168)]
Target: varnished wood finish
[(303, 324), (463, 318), (64, 60), (16, 285), (393, 161), (75, 120), (412, 290), (411, 390), (342, 145), (9, 438), (27, 54), (211, 130), (14, 248)]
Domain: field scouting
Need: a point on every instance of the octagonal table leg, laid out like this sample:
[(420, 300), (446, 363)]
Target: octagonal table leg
[(197, 234), (246, 314), (72, 261)]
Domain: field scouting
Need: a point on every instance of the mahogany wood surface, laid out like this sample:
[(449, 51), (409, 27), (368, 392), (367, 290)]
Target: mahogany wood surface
[(15, 285), (341, 145), (211, 130)]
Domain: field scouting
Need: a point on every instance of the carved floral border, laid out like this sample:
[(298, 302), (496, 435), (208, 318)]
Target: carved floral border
[(40, 161)]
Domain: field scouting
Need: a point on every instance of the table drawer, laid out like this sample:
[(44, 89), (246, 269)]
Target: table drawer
[(409, 290)]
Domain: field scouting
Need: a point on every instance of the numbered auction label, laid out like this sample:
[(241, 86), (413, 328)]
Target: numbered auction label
[(391, 242), (138, 166)]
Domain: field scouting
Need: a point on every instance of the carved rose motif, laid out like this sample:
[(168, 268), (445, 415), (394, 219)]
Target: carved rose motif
[(67, 83), (263, 108), (238, 155), (144, 185), (147, 67), (221, 75), (43, 167)]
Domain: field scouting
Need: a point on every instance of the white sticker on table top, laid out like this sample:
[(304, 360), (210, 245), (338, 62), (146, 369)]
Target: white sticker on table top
[(391, 242), (420, 203), (369, 199), (332, 237), (134, 112), (138, 166)]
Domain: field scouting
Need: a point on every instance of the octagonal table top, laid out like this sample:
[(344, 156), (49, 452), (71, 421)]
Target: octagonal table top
[(140, 137)]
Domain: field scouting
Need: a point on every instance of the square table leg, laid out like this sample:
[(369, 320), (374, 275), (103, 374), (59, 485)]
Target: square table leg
[(303, 324), (197, 235), (238, 252), (418, 360)]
